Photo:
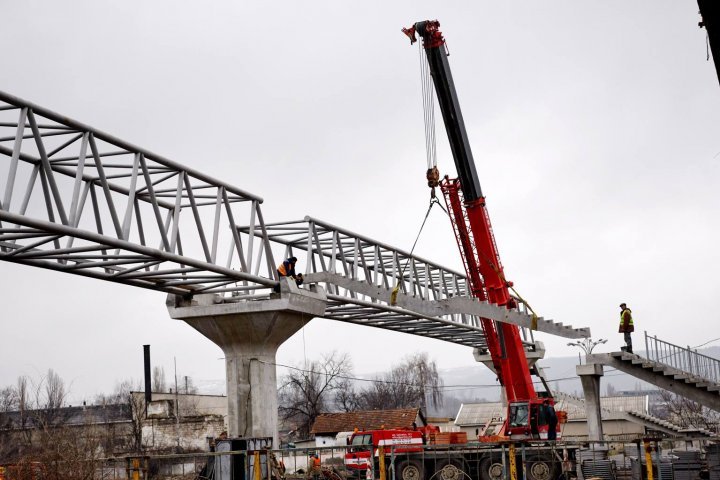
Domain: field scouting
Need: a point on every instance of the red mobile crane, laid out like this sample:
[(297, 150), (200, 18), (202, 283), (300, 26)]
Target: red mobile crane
[(419, 453), (473, 232)]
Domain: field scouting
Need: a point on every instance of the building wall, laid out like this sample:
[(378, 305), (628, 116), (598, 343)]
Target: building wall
[(611, 428), (190, 433), (325, 441), (191, 405), (187, 425)]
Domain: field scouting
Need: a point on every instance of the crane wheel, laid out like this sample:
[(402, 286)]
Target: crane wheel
[(541, 468), (491, 469), (449, 470), (410, 470)]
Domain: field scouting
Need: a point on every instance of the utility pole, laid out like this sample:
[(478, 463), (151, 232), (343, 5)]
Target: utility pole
[(177, 406)]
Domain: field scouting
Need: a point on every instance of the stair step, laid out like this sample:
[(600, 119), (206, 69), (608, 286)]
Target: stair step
[(714, 388)]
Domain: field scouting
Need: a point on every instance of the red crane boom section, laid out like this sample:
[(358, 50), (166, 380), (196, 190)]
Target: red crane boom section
[(471, 224), (473, 232)]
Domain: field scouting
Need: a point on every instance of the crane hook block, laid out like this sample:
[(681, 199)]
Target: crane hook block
[(433, 177)]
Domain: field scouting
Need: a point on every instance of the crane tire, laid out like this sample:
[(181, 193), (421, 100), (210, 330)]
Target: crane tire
[(491, 469), (541, 468), (449, 470), (410, 470)]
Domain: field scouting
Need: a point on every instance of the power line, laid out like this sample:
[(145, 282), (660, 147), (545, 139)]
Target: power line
[(443, 387), (709, 341)]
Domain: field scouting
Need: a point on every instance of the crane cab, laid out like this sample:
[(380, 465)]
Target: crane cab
[(528, 420)]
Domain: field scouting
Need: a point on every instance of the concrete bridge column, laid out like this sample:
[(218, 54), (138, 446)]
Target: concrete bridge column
[(590, 378), (249, 333)]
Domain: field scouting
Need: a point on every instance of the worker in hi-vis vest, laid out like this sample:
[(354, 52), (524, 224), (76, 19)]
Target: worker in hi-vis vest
[(287, 269), (626, 326)]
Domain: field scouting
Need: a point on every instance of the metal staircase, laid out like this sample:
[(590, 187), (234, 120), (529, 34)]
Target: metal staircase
[(677, 369)]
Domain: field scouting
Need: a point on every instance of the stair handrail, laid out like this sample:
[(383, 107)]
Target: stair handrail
[(685, 359)]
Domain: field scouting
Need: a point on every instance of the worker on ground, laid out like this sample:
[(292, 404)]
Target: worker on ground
[(626, 326), (551, 419), (315, 468), (287, 269)]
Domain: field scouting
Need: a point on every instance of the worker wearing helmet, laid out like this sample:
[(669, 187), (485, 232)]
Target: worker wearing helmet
[(626, 326), (287, 269)]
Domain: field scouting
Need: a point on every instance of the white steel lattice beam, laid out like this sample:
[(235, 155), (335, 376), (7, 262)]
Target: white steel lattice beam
[(77, 200)]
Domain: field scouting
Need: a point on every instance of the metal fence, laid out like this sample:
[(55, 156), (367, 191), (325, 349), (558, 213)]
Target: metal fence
[(686, 459), (682, 358)]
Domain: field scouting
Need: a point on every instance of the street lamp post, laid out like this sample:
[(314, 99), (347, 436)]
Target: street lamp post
[(587, 345)]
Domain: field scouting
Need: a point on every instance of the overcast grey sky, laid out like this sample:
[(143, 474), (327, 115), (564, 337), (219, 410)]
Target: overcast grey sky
[(594, 126)]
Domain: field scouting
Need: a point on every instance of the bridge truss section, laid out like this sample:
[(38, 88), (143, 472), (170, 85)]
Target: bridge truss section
[(359, 274), (77, 200)]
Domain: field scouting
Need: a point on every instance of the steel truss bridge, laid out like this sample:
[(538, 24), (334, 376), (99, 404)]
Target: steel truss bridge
[(77, 200)]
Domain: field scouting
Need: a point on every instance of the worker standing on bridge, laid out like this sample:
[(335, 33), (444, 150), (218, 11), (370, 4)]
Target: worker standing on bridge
[(287, 269), (626, 326)]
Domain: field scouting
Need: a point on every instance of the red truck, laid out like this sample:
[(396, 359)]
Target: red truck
[(425, 453)]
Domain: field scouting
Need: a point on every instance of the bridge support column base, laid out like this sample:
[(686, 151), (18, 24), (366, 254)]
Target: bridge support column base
[(249, 334), (590, 378)]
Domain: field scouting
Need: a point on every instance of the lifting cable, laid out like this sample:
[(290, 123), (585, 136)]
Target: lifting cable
[(428, 94), (433, 176), (428, 97), (396, 290)]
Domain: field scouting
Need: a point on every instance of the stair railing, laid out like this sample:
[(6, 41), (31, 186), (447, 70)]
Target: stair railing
[(682, 358)]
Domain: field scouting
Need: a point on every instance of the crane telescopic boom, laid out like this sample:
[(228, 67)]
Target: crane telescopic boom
[(473, 232)]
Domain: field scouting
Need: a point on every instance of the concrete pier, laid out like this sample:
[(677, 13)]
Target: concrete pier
[(249, 333), (590, 378)]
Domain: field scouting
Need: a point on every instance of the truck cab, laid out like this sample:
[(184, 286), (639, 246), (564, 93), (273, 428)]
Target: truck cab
[(364, 445)]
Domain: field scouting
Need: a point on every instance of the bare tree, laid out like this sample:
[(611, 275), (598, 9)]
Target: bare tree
[(414, 383), (126, 392), (347, 399), (423, 372), (50, 396), (159, 383), (688, 414), (8, 399), (188, 387), (22, 398), (393, 390), (305, 393), (120, 394), (137, 410), (8, 403), (54, 390)]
